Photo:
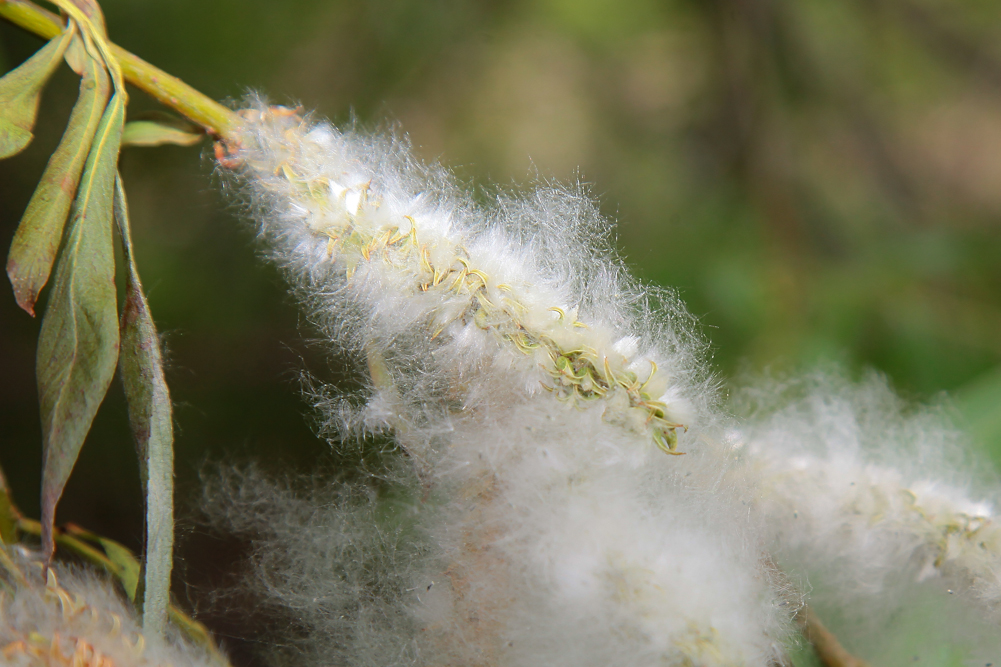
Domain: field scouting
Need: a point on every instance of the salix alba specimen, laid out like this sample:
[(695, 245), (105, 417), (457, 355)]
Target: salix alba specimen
[(535, 507)]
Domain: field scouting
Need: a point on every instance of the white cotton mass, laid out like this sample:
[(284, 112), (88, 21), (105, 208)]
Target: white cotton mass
[(877, 508), (535, 508), (537, 513), (76, 618)]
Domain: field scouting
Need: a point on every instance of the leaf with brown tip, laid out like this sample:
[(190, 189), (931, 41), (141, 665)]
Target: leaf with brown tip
[(141, 367), (36, 242), (78, 343), (20, 92)]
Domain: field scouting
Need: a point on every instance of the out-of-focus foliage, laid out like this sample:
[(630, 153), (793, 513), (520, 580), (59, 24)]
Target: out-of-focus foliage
[(820, 179)]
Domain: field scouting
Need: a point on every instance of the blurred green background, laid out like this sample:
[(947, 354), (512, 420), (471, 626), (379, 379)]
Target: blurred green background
[(819, 179)]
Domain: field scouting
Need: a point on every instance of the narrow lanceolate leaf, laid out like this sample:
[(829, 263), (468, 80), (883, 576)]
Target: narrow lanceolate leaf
[(158, 133), (20, 92), (36, 241), (141, 368), (78, 343)]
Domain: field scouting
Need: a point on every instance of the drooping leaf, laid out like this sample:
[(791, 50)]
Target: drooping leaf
[(161, 129), (20, 92), (36, 242), (78, 342), (141, 367)]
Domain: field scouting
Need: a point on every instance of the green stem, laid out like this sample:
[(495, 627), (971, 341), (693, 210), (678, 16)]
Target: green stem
[(169, 90)]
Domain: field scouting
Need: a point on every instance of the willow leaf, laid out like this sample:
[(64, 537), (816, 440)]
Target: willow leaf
[(36, 242), (20, 92), (128, 565), (141, 367), (158, 133), (78, 343)]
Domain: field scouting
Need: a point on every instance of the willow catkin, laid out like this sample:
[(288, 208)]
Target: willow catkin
[(540, 399), (568, 490)]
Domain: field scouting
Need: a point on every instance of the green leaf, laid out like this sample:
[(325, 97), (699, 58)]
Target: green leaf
[(128, 565), (78, 343), (36, 242), (20, 92), (141, 367), (164, 129)]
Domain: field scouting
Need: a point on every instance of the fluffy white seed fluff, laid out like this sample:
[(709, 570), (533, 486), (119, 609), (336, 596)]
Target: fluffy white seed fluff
[(871, 502), (75, 618), (535, 513), (537, 394)]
